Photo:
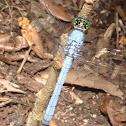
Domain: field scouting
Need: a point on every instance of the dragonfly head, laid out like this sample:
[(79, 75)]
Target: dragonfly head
[(81, 23)]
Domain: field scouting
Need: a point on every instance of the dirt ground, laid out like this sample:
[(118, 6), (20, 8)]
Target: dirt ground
[(78, 105)]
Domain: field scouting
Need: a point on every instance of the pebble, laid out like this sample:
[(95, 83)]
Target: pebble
[(94, 115), (85, 121), (65, 121)]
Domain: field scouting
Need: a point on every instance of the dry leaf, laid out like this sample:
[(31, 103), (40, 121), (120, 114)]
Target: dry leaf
[(55, 10), (3, 99), (122, 42), (6, 45), (6, 60), (76, 98), (5, 103), (42, 79), (51, 123), (4, 38), (103, 107), (10, 87), (100, 53), (16, 57), (109, 108), (80, 3), (31, 35), (121, 12), (90, 1), (29, 83), (83, 78), (33, 68), (20, 43), (121, 117)]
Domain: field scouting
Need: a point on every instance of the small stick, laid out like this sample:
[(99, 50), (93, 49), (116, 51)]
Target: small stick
[(117, 31), (87, 7), (24, 60), (122, 25), (5, 103)]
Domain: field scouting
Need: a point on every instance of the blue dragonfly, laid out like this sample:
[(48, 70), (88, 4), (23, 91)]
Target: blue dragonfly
[(75, 41)]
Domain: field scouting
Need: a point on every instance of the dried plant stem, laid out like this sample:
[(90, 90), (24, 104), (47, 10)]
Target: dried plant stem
[(5, 103), (24, 60), (117, 31), (35, 117), (86, 9), (122, 25)]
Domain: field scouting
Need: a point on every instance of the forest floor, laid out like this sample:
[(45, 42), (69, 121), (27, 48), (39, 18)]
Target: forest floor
[(78, 105)]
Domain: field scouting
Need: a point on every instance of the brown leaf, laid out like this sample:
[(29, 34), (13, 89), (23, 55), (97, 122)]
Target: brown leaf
[(51, 123), (4, 39), (29, 83), (3, 99), (90, 1), (31, 35), (10, 87), (80, 3), (121, 117), (6, 45), (112, 113), (20, 56), (103, 107), (109, 108), (121, 12), (43, 78), (122, 42), (33, 68), (20, 43), (56, 10), (6, 59)]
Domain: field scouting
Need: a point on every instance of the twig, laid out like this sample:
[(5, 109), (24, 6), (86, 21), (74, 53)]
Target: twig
[(35, 117), (122, 25), (3, 99), (9, 87), (87, 7), (5, 103), (10, 13), (24, 60), (117, 31)]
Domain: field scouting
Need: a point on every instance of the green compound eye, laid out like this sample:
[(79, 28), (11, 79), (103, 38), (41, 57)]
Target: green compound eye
[(81, 22)]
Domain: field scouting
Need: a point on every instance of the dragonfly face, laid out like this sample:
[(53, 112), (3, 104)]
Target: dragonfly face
[(81, 22)]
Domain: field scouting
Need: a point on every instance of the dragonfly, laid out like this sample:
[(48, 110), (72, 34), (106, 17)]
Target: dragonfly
[(73, 46)]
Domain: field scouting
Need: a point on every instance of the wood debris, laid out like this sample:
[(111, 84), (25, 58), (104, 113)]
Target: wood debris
[(10, 87)]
